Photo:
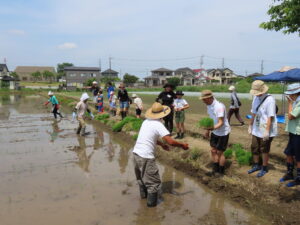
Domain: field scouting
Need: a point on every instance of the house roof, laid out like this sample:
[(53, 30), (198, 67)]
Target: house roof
[(9, 78), (32, 69), (184, 69), (80, 68), (162, 70), (198, 70), (222, 70), (109, 71), (255, 75), (2, 66)]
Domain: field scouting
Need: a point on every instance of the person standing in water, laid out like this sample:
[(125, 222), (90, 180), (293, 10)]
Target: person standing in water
[(235, 106), (55, 104), (123, 100), (167, 98), (145, 167), (80, 109)]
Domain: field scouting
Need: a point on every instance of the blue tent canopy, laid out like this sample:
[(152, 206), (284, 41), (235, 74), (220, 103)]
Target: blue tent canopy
[(292, 75)]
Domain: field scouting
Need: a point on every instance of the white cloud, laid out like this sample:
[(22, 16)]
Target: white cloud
[(67, 45), (16, 32)]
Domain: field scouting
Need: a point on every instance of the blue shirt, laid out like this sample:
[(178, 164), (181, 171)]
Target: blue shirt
[(109, 89)]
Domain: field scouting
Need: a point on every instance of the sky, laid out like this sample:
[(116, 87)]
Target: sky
[(142, 35)]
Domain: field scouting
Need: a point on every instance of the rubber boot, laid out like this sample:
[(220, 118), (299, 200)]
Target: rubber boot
[(182, 135), (289, 173), (83, 132), (222, 170), (178, 136), (143, 191), (152, 199), (78, 130), (215, 169), (122, 115)]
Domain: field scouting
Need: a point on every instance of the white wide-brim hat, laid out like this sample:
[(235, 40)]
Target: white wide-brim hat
[(293, 89), (157, 111), (50, 93), (84, 97), (231, 88)]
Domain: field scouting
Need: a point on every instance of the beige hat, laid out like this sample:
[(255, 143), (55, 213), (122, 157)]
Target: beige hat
[(258, 88), (157, 111), (206, 94), (231, 88)]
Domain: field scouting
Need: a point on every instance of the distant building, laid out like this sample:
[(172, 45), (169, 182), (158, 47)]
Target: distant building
[(158, 77), (9, 82), (24, 72), (186, 76), (3, 70), (255, 75), (77, 76), (110, 73), (224, 76)]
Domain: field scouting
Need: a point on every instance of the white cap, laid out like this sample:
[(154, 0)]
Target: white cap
[(50, 93), (231, 88), (112, 92), (84, 97), (134, 96), (95, 82)]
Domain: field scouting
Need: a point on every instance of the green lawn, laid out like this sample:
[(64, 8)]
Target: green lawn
[(46, 84)]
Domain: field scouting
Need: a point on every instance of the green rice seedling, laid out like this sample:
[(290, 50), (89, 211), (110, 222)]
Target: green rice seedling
[(136, 124), (244, 159), (195, 154), (118, 126), (206, 122), (103, 116), (228, 153)]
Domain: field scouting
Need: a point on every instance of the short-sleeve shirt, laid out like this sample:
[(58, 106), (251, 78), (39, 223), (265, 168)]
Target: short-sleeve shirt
[(234, 101), (138, 103), (113, 98), (179, 103), (293, 126), (53, 100), (266, 110), (81, 108), (150, 132), (218, 110)]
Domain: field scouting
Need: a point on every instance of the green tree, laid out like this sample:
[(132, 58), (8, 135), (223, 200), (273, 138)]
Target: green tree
[(89, 82), (36, 75), (60, 69), (175, 81), (130, 79), (285, 16), (105, 80), (47, 75)]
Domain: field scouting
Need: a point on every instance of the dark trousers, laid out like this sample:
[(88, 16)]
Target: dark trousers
[(169, 120), (236, 112), (56, 112)]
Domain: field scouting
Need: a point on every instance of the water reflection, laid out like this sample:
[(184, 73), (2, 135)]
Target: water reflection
[(55, 131), (123, 159)]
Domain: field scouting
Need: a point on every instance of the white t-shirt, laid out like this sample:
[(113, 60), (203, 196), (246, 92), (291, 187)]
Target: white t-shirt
[(215, 111), (150, 132), (113, 99), (138, 103), (266, 110), (179, 103)]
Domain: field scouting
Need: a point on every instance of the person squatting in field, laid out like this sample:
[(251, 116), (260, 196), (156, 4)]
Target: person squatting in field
[(55, 104), (79, 111), (145, 167), (219, 133)]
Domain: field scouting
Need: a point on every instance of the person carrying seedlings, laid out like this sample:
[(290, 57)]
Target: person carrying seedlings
[(293, 127), (100, 102), (123, 100), (167, 98), (138, 105), (219, 132), (263, 126), (180, 105), (55, 104), (235, 106), (113, 103), (145, 167), (80, 109)]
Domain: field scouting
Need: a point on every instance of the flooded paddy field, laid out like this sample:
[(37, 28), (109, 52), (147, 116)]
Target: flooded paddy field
[(49, 175)]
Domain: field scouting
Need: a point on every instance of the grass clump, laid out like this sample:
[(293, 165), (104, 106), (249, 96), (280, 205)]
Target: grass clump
[(242, 156), (102, 117), (195, 154), (134, 124), (206, 122)]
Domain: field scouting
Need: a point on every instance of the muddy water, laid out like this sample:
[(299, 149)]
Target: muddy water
[(51, 176)]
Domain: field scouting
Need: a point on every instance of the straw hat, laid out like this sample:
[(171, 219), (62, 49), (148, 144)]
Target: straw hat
[(206, 94), (84, 97), (293, 89), (231, 88), (258, 88), (133, 95), (157, 111), (50, 93)]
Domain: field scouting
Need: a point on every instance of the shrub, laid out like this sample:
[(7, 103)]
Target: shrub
[(134, 124), (195, 154), (206, 122)]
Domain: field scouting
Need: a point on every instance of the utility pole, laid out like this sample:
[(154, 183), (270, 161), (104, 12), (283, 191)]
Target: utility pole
[(100, 64), (201, 61), (110, 62), (262, 67), (223, 63), (246, 73)]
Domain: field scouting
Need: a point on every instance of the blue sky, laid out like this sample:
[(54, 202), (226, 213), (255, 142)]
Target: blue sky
[(143, 35)]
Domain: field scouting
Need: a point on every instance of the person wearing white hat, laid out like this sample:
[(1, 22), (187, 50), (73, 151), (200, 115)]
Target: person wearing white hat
[(138, 105), (146, 170), (234, 106), (112, 103), (263, 126), (55, 104), (292, 150), (80, 109), (95, 90)]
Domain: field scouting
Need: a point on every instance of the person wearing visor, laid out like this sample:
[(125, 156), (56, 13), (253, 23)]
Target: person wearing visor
[(145, 167), (292, 150)]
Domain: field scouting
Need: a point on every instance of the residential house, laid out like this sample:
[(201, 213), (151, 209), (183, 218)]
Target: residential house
[(223, 76), (110, 73), (201, 76), (77, 76), (158, 77), (186, 76), (9, 82), (3, 70), (25, 72)]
